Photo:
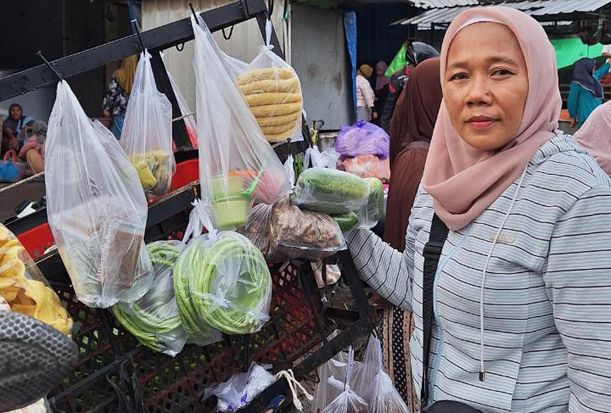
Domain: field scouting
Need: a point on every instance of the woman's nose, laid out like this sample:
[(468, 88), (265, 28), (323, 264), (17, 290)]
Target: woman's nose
[(479, 92)]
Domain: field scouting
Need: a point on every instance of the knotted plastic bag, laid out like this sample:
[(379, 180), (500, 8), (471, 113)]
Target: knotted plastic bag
[(240, 389), (237, 165), (375, 385), (282, 231), (147, 131), (154, 318), (96, 207), (362, 138), (273, 92), (347, 401), (223, 281)]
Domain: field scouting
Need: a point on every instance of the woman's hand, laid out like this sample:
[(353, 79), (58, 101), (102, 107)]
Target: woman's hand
[(572, 123)]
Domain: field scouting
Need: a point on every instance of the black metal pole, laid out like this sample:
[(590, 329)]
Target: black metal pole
[(179, 129)]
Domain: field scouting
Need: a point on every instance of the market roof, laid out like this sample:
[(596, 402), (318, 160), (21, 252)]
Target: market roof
[(537, 9)]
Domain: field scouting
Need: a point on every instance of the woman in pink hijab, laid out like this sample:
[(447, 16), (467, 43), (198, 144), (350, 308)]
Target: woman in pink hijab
[(595, 136), (513, 312)]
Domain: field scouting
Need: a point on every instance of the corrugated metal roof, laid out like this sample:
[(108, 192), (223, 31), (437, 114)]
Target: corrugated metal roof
[(535, 8), (439, 4)]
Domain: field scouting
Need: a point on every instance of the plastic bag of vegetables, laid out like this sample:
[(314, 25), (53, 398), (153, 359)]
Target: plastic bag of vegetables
[(282, 231), (154, 318), (368, 215), (147, 131), (96, 207), (221, 281), (272, 90), (24, 288), (237, 165), (330, 191)]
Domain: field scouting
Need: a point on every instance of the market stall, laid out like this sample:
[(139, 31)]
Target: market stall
[(284, 322)]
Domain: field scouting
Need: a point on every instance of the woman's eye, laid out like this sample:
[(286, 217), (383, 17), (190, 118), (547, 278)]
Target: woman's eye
[(458, 76), (502, 72)]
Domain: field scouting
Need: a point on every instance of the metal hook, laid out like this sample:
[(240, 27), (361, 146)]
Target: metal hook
[(135, 26), (193, 11), (180, 47), (49, 65), (225, 36)]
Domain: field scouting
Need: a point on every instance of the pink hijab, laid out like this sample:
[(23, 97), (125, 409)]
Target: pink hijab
[(595, 136), (464, 181)]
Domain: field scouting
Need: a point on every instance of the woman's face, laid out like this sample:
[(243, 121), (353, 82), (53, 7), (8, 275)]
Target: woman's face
[(15, 113), (485, 85), (380, 71)]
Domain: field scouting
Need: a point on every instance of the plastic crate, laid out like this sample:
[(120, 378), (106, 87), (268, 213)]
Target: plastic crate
[(165, 384)]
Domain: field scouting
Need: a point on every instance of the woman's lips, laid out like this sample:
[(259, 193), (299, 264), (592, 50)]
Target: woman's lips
[(481, 123)]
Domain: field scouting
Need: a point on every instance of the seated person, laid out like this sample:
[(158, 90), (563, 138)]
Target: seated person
[(15, 129), (33, 149)]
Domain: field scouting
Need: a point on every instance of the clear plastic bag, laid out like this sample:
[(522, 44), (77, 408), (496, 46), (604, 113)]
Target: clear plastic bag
[(147, 131), (154, 318), (367, 166), (189, 116), (240, 389), (237, 165), (375, 385), (223, 281), (96, 207), (330, 191), (368, 215), (272, 90), (283, 231), (348, 401), (325, 394), (23, 287), (371, 365)]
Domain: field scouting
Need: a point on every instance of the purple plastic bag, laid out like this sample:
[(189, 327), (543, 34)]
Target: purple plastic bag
[(362, 138)]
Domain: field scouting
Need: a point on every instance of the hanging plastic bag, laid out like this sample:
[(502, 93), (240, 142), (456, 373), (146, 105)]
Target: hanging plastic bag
[(375, 385), (273, 92), (147, 131), (24, 288), (282, 231), (237, 165), (324, 394), (348, 401), (240, 389), (185, 111), (154, 318), (289, 166), (95, 207), (362, 138), (222, 281), (330, 191)]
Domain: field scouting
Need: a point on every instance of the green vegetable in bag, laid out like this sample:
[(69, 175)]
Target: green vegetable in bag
[(154, 319), (222, 283), (330, 191)]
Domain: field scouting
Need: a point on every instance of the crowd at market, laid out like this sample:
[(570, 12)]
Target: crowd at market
[(493, 262)]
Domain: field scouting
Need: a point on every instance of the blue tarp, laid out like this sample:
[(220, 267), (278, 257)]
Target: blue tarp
[(350, 33)]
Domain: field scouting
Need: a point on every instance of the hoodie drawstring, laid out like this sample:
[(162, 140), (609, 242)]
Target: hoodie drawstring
[(482, 370)]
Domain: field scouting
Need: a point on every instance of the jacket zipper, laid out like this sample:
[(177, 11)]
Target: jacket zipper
[(437, 358)]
